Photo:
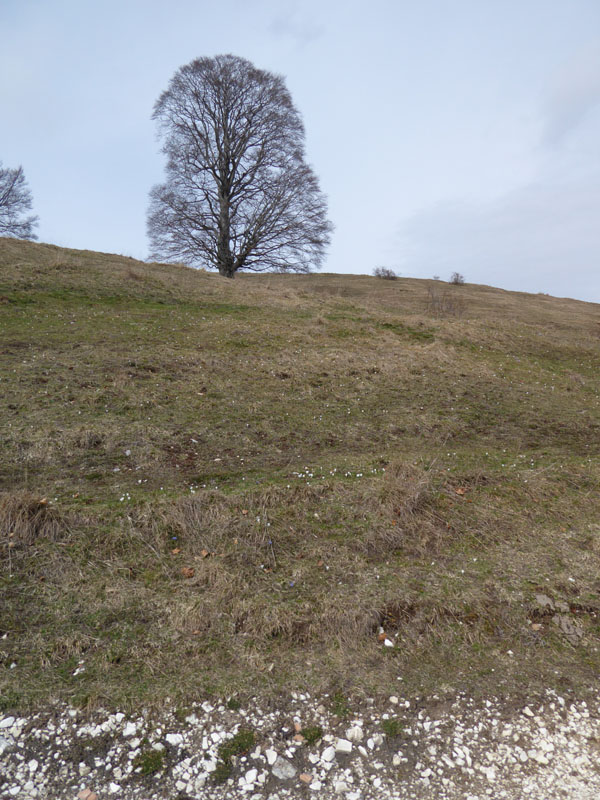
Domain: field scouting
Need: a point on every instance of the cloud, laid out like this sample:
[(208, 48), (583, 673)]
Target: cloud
[(542, 237), (576, 91)]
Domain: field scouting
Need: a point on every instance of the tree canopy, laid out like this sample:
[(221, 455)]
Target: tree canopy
[(15, 201), (238, 193)]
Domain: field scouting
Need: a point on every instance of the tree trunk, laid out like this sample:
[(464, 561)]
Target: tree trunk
[(225, 260)]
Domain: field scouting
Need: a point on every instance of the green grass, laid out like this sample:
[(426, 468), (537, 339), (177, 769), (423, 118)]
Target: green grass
[(247, 479)]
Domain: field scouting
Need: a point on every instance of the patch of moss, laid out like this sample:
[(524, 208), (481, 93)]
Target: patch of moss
[(392, 727), (312, 734), (236, 746), (150, 761)]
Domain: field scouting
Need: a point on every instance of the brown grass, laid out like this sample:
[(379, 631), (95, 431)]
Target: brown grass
[(245, 479), (26, 519)]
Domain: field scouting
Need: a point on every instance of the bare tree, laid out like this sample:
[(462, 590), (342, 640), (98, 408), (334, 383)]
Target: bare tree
[(15, 200), (456, 279), (386, 273), (238, 193)]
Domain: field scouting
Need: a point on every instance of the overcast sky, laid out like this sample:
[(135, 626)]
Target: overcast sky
[(447, 134)]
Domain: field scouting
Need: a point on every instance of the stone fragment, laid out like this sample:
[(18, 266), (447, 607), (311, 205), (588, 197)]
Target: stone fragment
[(306, 777), (544, 602), (271, 757), (569, 629), (7, 722), (251, 775), (328, 754), (343, 746), (174, 738), (84, 794), (339, 787), (130, 729), (283, 770), (354, 734)]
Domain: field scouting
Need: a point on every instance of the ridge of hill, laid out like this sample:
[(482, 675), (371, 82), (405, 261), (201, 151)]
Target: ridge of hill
[(313, 482)]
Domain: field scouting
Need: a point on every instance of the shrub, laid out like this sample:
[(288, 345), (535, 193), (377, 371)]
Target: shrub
[(385, 273), (456, 279)]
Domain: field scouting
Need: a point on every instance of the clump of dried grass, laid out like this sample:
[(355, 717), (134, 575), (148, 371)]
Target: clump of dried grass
[(25, 519), (404, 511)]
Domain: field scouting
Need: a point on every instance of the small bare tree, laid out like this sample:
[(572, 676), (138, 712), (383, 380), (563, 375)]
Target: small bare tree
[(238, 193), (456, 279), (15, 201), (386, 273), (444, 303)]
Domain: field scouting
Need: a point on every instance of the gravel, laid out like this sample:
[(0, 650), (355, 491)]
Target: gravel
[(446, 748)]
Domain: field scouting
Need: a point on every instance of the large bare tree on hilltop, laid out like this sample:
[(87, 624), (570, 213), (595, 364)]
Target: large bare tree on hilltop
[(15, 200), (238, 194)]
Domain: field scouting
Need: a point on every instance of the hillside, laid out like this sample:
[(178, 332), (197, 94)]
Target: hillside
[(215, 488)]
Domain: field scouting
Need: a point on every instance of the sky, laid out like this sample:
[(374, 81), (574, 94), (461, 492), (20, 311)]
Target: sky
[(448, 135)]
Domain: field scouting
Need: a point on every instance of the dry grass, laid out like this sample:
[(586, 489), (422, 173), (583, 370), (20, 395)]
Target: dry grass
[(26, 519), (247, 478)]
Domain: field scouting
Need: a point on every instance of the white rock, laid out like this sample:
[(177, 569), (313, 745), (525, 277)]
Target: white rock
[(130, 729), (394, 700), (114, 788), (339, 787), (174, 739), (271, 757), (32, 765), (180, 786), (251, 775), (354, 734), (328, 754), (4, 744), (377, 783), (315, 786), (343, 746), (283, 770), (7, 722)]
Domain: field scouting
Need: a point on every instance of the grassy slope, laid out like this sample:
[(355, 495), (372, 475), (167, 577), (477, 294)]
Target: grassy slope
[(319, 455)]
